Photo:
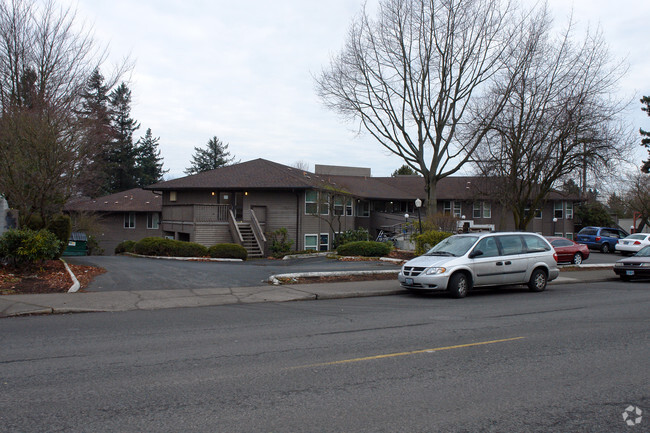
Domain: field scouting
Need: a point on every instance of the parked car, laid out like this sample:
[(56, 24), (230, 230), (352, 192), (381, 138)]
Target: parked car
[(633, 243), (568, 251), (461, 262), (637, 266), (600, 238)]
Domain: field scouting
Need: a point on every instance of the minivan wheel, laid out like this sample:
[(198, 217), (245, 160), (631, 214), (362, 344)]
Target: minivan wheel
[(537, 281), (577, 259), (604, 248), (459, 285)]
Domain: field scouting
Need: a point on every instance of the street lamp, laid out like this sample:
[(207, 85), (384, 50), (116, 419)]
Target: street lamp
[(418, 204), (405, 229), (554, 221)]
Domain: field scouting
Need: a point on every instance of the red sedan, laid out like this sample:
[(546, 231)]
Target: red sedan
[(569, 251)]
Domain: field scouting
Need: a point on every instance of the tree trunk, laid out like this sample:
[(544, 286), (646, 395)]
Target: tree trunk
[(431, 184)]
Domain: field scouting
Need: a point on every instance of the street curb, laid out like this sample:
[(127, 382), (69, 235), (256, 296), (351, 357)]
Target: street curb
[(275, 279), (185, 259), (75, 283)]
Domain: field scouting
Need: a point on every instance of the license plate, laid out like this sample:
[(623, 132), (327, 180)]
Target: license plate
[(629, 272), (409, 281)]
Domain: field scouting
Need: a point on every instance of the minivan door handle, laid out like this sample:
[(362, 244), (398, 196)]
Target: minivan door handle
[(508, 262), (499, 263)]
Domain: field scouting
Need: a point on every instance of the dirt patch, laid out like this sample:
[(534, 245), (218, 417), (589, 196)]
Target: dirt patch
[(337, 279), (47, 277)]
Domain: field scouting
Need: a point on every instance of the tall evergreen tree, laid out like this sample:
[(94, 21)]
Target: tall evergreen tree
[(148, 160), (215, 155), (122, 171), (95, 115), (645, 141)]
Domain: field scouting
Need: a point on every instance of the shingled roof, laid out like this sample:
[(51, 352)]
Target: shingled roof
[(132, 200)]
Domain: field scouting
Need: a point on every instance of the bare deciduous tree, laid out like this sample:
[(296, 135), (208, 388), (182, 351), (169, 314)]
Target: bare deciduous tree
[(560, 119), (409, 77), (45, 60)]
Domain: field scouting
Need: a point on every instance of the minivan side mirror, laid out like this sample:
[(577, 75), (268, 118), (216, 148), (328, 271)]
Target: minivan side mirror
[(475, 253)]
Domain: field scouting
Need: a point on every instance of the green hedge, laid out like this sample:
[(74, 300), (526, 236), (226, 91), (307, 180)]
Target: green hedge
[(428, 240), (24, 247), (125, 247), (365, 249), (228, 251), (347, 236), (169, 248)]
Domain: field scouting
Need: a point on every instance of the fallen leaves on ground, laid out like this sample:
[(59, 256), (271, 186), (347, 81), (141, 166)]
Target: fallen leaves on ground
[(47, 277)]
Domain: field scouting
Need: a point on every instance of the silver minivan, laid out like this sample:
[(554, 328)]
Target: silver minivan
[(461, 262)]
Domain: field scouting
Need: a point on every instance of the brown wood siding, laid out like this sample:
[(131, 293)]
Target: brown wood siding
[(113, 231), (211, 234), (281, 210)]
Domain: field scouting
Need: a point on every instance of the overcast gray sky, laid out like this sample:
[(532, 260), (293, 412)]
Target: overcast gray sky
[(243, 71)]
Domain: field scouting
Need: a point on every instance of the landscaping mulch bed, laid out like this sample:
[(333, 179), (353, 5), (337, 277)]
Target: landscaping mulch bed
[(47, 277)]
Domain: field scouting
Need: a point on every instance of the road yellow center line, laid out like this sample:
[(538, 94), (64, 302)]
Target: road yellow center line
[(413, 352)]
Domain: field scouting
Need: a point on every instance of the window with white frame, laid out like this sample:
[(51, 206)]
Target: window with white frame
[(311, 202), (476, 210), (338, 205), (324, 242), (324, 203), (487, 209), (457, 210), (311, 242), (446, 207), (538, 214), (153, 220), (349, 210), (129, 220), (558, 210), (569, 236), (569, 210)]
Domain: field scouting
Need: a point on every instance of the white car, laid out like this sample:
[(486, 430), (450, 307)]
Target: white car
[(633, 243), (461, 262)]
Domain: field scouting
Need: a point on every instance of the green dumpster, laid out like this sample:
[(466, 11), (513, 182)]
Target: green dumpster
[(77, 245)]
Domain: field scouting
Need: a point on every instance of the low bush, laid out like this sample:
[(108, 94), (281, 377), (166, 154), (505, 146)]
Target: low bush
[(347, 236), (365, 249), (25, 247), (279, 242), (125, 247), (428, 240), (169, 248), (228, 251)]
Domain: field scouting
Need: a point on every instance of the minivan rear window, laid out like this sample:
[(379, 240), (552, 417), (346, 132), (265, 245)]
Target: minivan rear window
[(588, 232)]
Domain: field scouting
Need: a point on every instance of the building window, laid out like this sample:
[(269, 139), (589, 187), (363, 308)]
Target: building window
[(557, 213), (325, 203), (363, 208), (349, 210), (153, 220), (569, 210), (172, 195), (129, 220), (311, 242), (569, 236), (476, 210), (538, 214), (457, 210), (311, 202), (487, 209), (324, 242), (338, 206), (446, 207)]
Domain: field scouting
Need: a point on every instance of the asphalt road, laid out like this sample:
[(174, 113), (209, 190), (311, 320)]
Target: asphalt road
[(137, 273), (569, 359)]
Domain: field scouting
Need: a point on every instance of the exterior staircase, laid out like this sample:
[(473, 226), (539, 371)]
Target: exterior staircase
[(249, 241)]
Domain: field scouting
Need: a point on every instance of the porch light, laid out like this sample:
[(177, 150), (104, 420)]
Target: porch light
[(213, 193)]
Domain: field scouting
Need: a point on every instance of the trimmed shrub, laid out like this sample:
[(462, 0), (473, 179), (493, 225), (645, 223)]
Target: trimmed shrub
[(428, 240), (24, 247), (359, 234), (125, 247), (169, 248), (279, 242), (61, 226), (228, 251), (365, 249)]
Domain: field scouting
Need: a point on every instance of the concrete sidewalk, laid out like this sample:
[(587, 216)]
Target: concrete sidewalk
[(58, 303)]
